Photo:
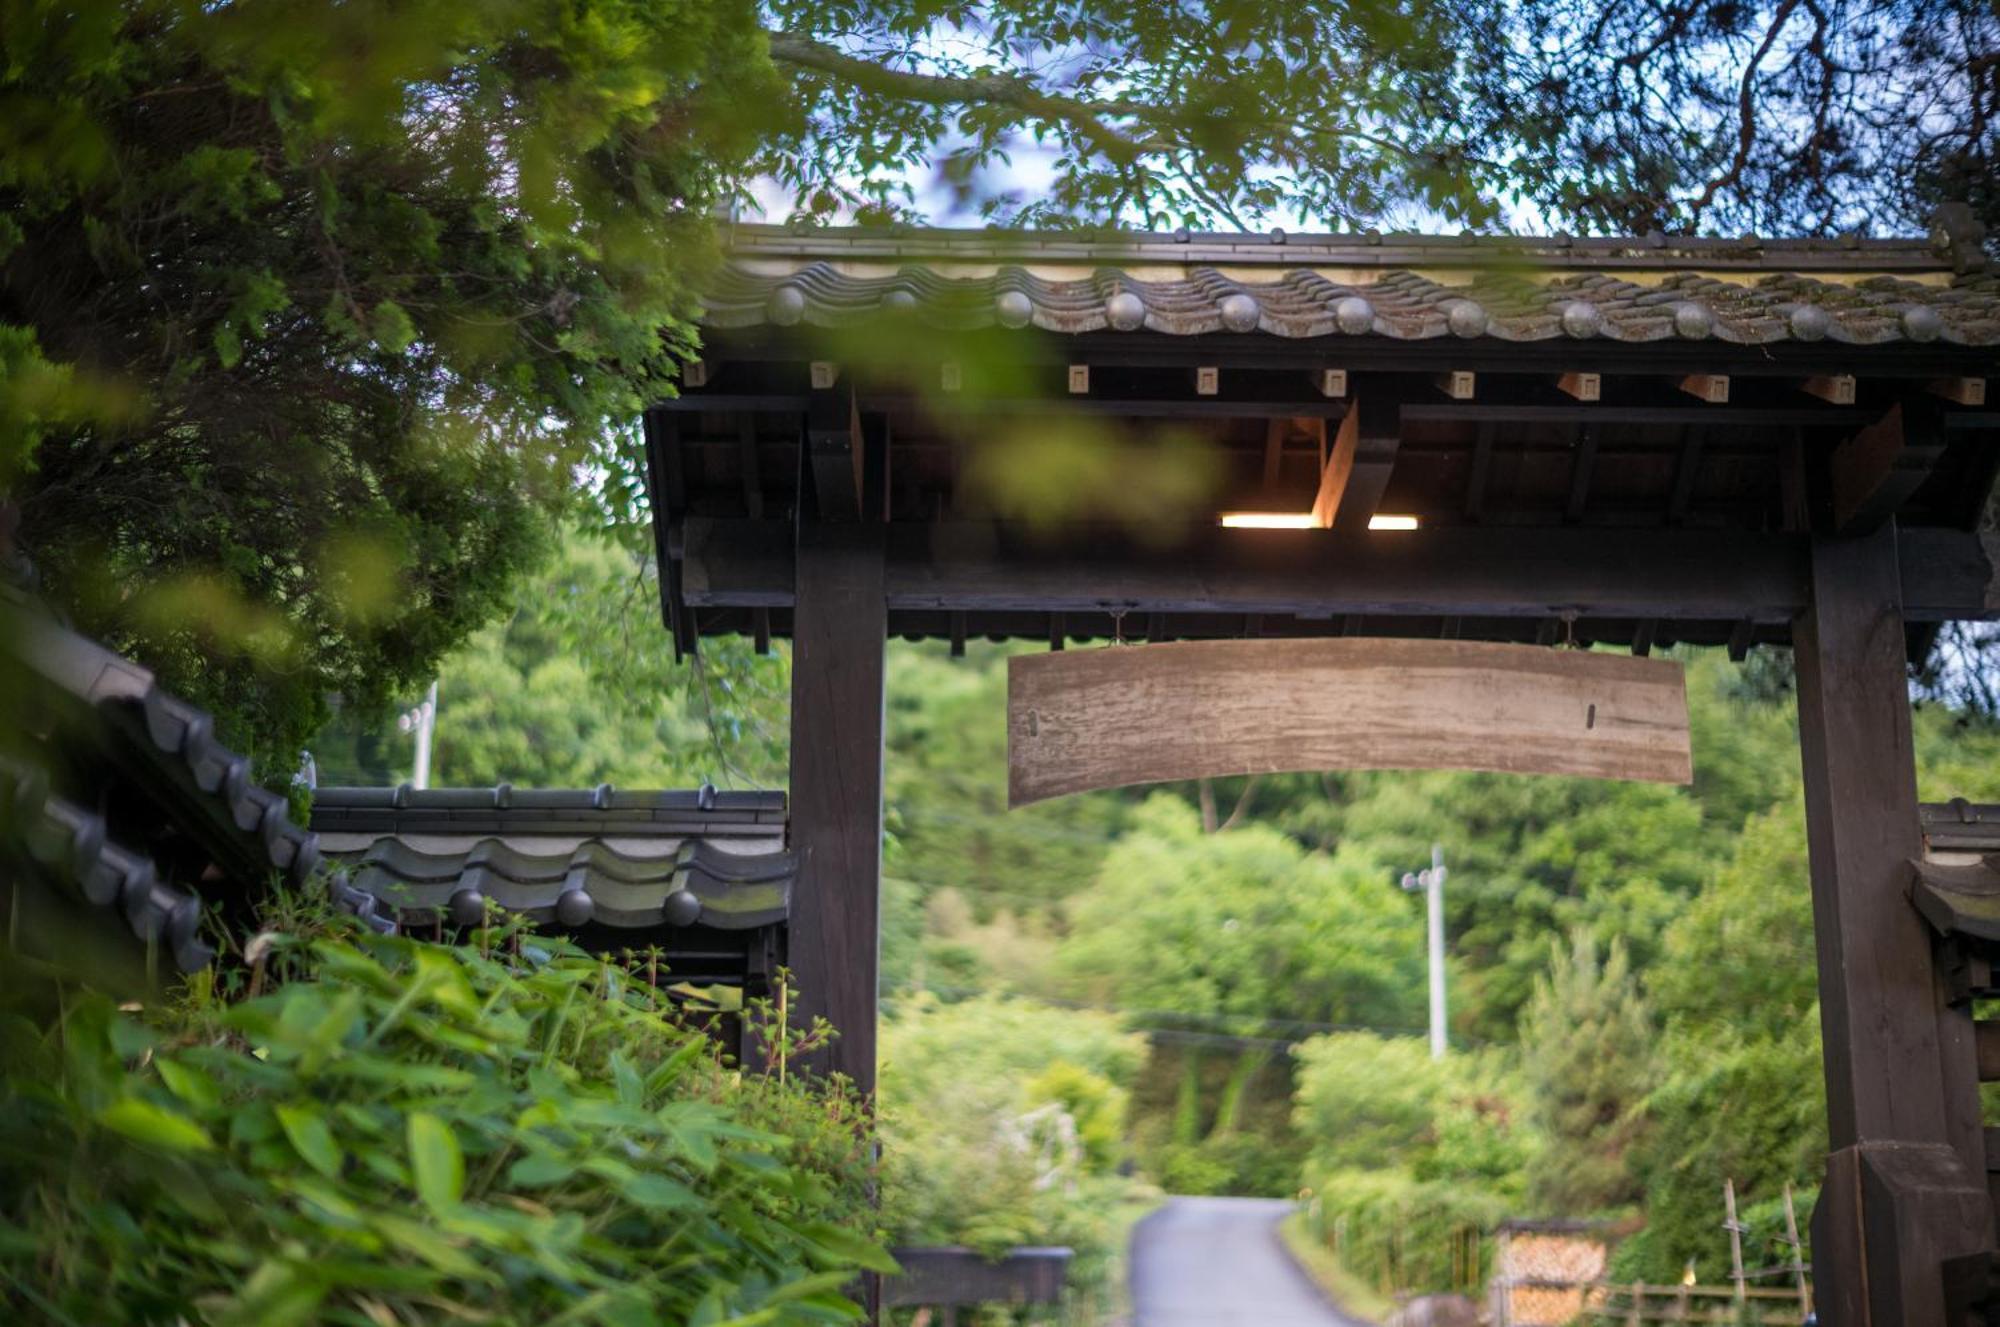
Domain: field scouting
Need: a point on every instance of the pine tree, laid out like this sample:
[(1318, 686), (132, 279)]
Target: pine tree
[(1587, 1051)]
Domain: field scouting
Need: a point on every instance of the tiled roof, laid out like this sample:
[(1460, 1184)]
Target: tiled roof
[(153, 736), (65, 841), (1861, 292), (633, 862), (103, 723)]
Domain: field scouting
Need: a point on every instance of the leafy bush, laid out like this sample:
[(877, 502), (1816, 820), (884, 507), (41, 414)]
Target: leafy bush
[(1400, 1233), (1752, 1110), (1370, 1102), (1413, 1161), (1001, 1126), (415, 1134)]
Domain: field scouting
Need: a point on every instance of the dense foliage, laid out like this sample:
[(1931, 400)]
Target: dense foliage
[(1587, 1055), (320, 303), (1412, 1161), (1004, 1124), (1673, 1044), (409, 1133)]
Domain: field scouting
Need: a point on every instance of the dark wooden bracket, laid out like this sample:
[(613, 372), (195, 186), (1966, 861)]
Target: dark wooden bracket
[(1877, 469)]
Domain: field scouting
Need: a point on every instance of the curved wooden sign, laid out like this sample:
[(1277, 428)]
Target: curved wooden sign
[(1104, 718)]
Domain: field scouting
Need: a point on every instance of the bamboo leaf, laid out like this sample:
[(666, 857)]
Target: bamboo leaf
[(156, 1126), (436, 1162), (306, 1127)]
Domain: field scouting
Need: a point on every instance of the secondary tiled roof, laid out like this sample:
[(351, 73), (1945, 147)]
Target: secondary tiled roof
[(634, 862), (1751, 292), (61, 839), (150, 735), (122, 796)]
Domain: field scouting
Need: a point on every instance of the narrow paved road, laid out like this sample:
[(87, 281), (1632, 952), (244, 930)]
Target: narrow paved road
[(1220, 1262)]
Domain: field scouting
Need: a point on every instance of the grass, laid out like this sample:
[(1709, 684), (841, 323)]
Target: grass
[(1354, 1295)]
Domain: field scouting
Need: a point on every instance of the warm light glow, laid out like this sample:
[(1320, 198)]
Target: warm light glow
[(1303, 520), (1268, 520)]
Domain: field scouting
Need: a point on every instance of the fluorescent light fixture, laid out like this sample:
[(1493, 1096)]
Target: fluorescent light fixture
[(1268, 520), (1303, 520)]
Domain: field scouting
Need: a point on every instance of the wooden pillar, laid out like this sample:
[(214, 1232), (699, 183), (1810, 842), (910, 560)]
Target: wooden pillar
[(839, 627), (1901, 1195)]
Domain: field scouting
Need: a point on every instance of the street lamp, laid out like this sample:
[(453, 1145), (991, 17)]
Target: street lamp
[(1431, 881)]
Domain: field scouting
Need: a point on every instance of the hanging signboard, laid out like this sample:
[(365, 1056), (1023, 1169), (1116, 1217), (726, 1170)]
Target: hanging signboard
[(1105, 718)]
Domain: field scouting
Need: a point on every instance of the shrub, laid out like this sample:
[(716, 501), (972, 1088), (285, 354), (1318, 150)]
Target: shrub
[(1405, 1234), (1413, 1161), (1001, 1122), (413, 1134)]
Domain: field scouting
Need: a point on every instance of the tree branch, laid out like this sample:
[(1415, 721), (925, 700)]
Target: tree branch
[(1746, 109), (968, 90)]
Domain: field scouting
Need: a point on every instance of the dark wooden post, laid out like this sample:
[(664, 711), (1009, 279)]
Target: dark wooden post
[(1901, 1194), (839, 627)]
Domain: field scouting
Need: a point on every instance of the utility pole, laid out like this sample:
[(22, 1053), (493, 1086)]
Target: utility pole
[(423, 722), (1431, 881)]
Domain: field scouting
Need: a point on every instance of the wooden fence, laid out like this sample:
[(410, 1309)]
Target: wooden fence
[(1640, 1305)]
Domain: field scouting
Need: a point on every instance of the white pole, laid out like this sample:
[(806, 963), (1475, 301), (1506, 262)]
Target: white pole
[(1434, 897), (426, 725)]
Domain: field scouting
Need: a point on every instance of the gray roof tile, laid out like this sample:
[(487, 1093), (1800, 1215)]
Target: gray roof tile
[(1408, 288), (634, 862)]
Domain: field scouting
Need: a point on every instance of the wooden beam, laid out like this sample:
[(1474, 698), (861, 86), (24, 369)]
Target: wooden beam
[(1079, 380), (1833, 388), (666, 495), (696, 373), (838, 632), (1475, 481), (1668, 574), (1986, 1042), (951, 376), (747, 462), (823, 374), (1207, 380), (1274, 450), (1580, 469), (1960, 391), (1208, 709), (1331, 383), (1875, 471), (1582, 386), (1710, 387), (1904, 1189), (1685, 470), (1458, 384), (834, 452), (1359, 462)]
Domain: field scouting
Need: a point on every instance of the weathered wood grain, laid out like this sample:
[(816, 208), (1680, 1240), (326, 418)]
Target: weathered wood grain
[(836, 790), (1122, 715)]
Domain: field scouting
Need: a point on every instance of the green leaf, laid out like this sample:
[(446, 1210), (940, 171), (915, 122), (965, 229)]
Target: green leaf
[(278, 1294), (433, 1247), (191, 1085), (306, 1127), (436, 1162), (847, 1246), (631, 1091), (538, 1170), (155, 1126), (657, 1193)]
